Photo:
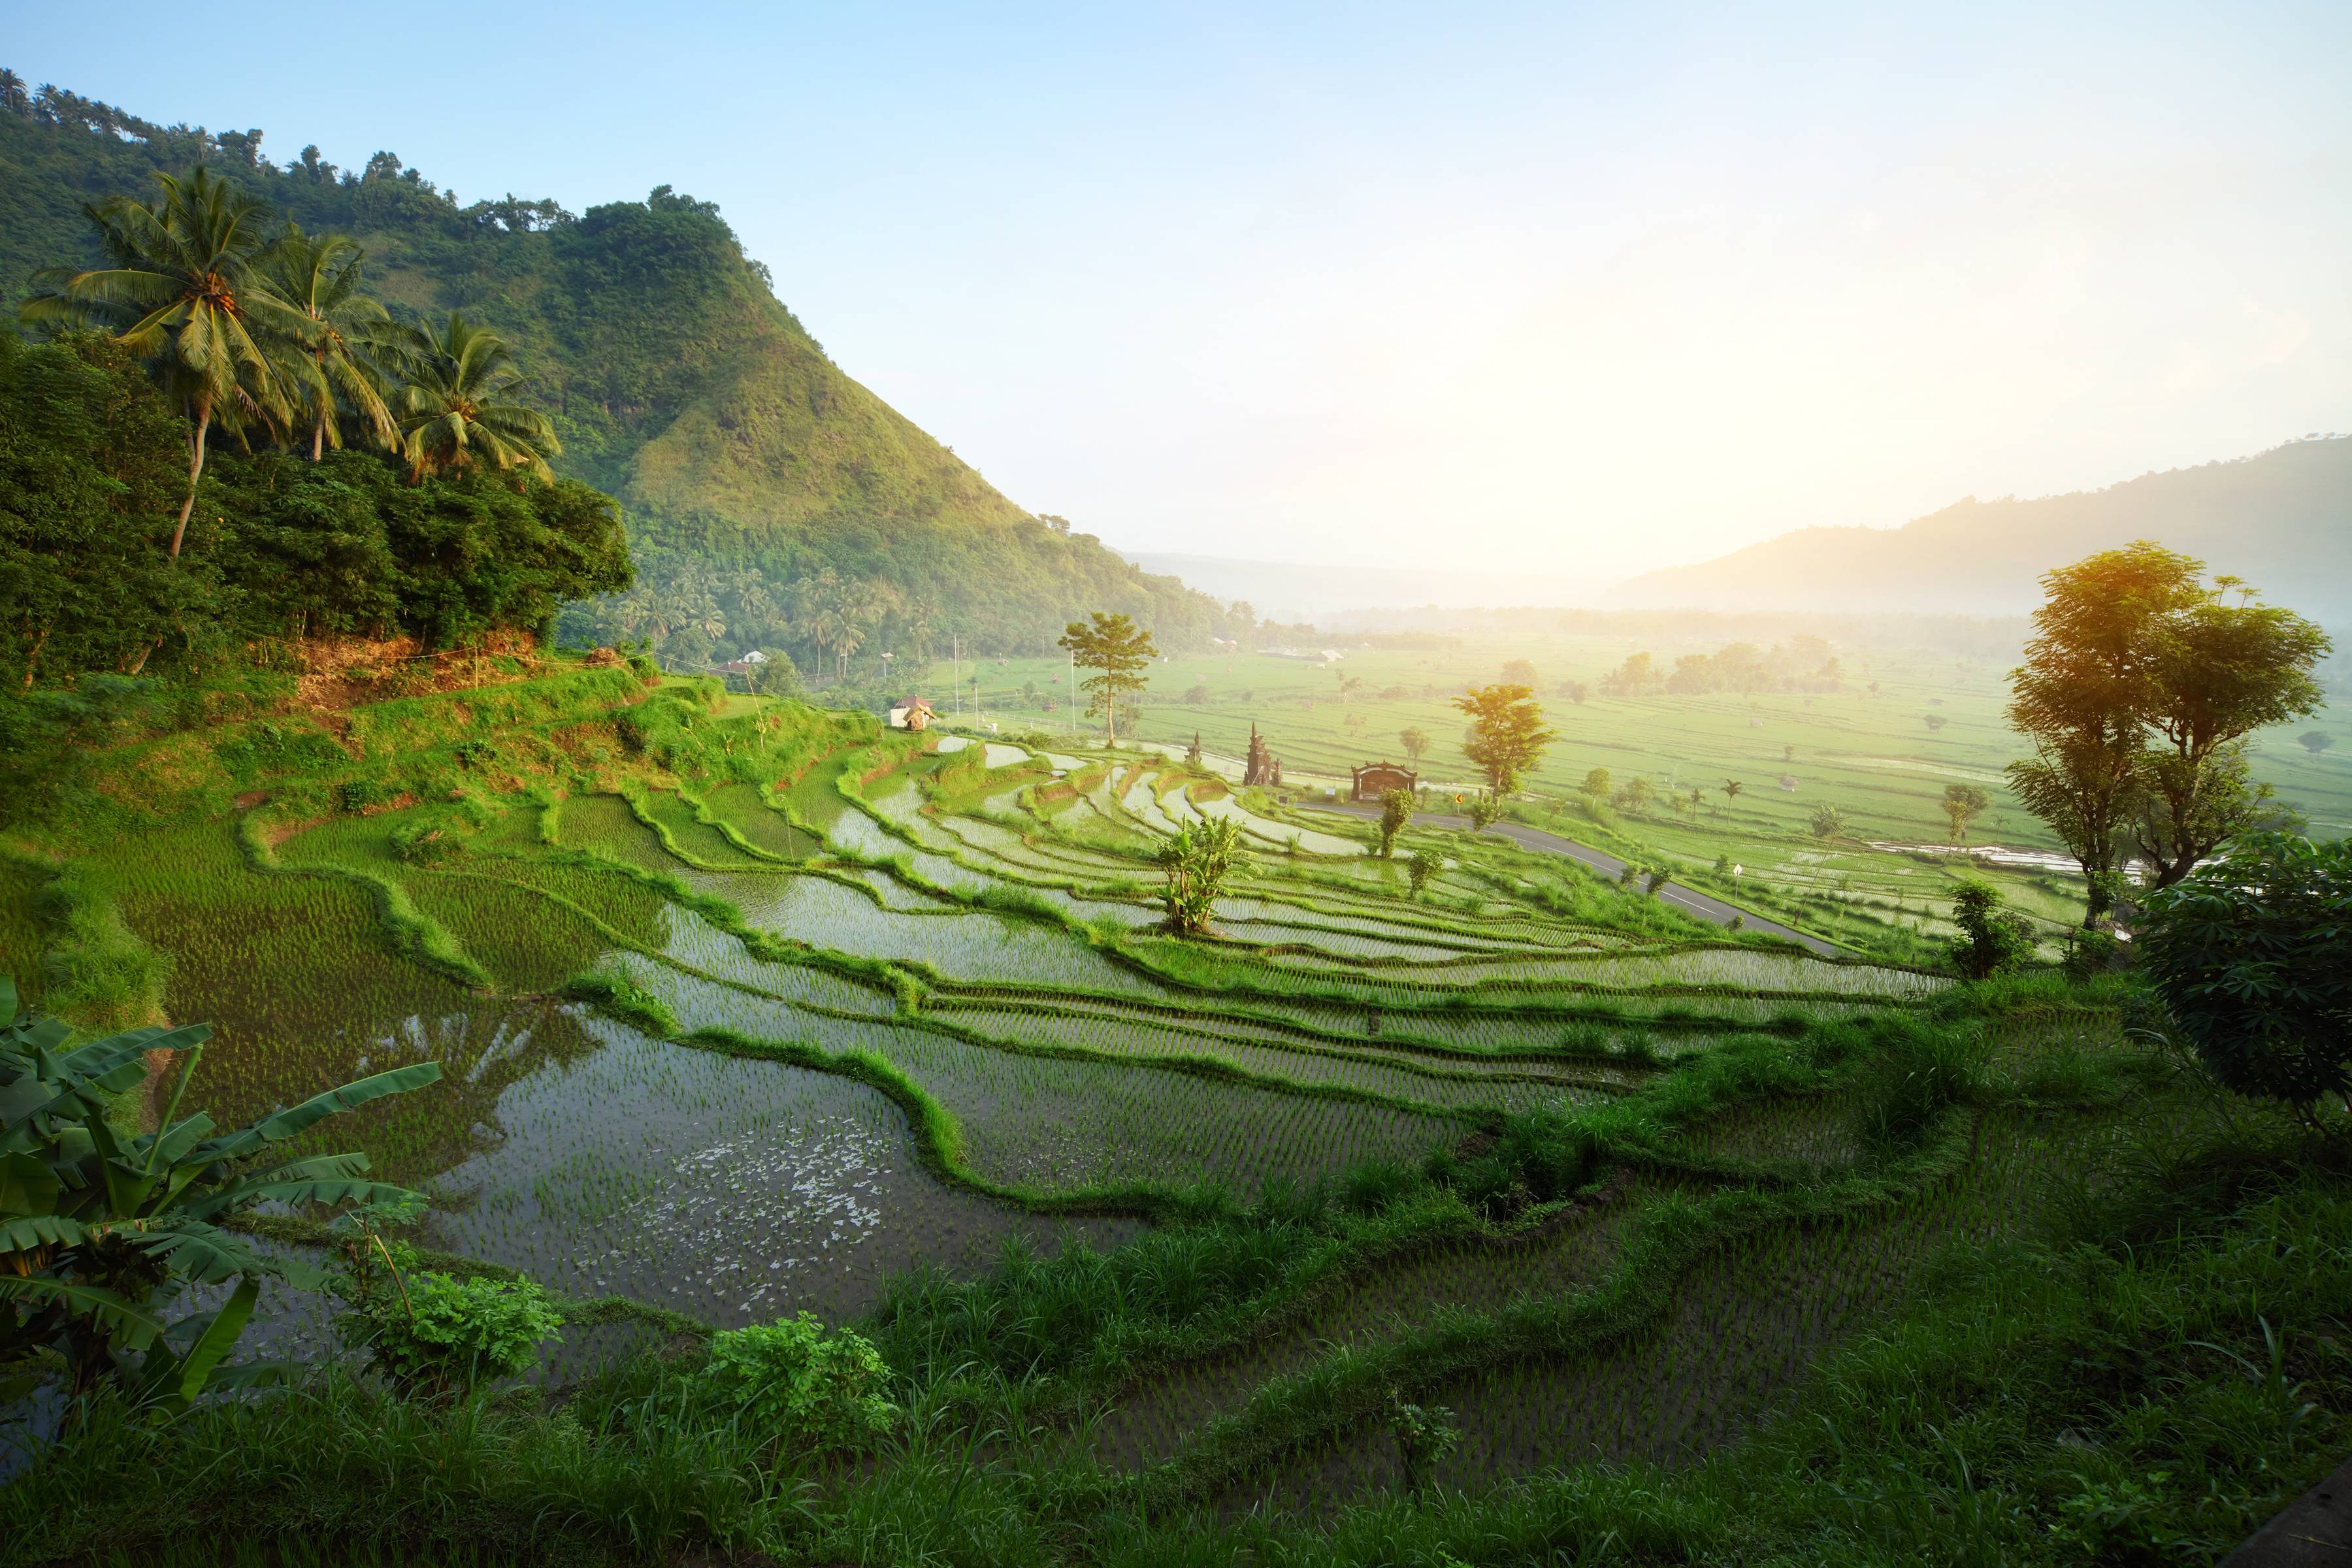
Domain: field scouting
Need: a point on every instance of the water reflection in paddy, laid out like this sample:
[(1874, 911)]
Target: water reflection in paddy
[(733, 1190)]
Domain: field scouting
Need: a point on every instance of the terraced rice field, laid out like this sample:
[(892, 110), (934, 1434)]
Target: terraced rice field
[(907, 1009)]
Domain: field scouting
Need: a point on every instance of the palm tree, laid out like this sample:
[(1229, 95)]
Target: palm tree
[(320, 276), (449, 413), (186, 294)]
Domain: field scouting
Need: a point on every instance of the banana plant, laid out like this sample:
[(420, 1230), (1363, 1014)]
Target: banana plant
[(100, 1230)]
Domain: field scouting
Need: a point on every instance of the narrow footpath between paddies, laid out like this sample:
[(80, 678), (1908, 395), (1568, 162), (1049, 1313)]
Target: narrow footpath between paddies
[(1703, 905)]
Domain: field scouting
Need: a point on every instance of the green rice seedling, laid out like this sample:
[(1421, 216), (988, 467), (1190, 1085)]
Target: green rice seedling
[(1042, 1123), (23, 937), (1388, 1075), (744, 808), (735, 1191), (605, 823), (1739, 1328), (971, 946), (1385, 1295)]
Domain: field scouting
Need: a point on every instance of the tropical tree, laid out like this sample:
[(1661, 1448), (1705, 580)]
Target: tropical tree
[(837, 614), (1963, 804), (1506, 735), (1829, 822), (1595, 788), (1415, 741), (2078, 698), (319, 275), (2136, 693), (187, 293), (98, 1228), (2220, 672), (452, 412), (1120, 650), (1196, 862), (2315, 740), (1731, 788)]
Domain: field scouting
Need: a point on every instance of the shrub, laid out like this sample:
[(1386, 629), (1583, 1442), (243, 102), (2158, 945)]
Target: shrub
[(811, 1389), (2252, 953), (427, 841), (1424, 864), (435, 1336), (1396, 811), (358, 794), (1992, 938)]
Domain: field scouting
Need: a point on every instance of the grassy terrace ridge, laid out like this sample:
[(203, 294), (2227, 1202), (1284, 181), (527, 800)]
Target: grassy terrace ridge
[(1711, 1248)]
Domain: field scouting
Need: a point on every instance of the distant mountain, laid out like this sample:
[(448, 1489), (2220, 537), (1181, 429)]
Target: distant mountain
[(678, 382), (1295, 591), (2282, 520)]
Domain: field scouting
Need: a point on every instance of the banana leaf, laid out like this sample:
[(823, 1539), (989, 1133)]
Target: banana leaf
[(121, 1319), (298, 1119)]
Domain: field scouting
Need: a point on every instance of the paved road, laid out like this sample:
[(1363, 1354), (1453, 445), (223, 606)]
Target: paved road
[(1690, 900)]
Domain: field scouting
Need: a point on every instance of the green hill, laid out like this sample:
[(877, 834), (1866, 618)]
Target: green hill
[(747, 459), (2282, 520)]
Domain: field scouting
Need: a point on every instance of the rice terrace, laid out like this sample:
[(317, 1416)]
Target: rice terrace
[(524, 1039)]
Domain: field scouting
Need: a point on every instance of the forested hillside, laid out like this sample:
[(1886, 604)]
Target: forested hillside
[(771, 501), (2282, 517)]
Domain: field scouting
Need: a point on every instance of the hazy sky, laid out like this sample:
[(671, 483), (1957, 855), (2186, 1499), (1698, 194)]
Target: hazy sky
[(1595, 288)]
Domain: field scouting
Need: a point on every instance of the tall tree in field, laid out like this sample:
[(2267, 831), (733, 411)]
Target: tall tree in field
[(319, 275), (1415, 741), (2087, 678), (2222, 671), (2138, 692), (2315, 740), (1963, 804), (1119, 649), (1506, 733), (452, 413), (187, 294)]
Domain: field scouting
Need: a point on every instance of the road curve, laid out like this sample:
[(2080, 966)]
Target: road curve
[(1690, 900)]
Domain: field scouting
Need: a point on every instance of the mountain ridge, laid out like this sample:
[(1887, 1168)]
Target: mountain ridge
[(2282, 519)]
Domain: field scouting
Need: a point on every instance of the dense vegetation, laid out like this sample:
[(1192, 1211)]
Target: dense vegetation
[(92, 466), (748, 462), (788, 1139), (1493, 1211)]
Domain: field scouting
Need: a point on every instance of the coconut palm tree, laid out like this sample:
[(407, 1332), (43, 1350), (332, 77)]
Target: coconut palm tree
[(319, 275), (186, 294), (450, 413)]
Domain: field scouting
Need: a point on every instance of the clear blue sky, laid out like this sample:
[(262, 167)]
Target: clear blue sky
[(1603, 288)]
